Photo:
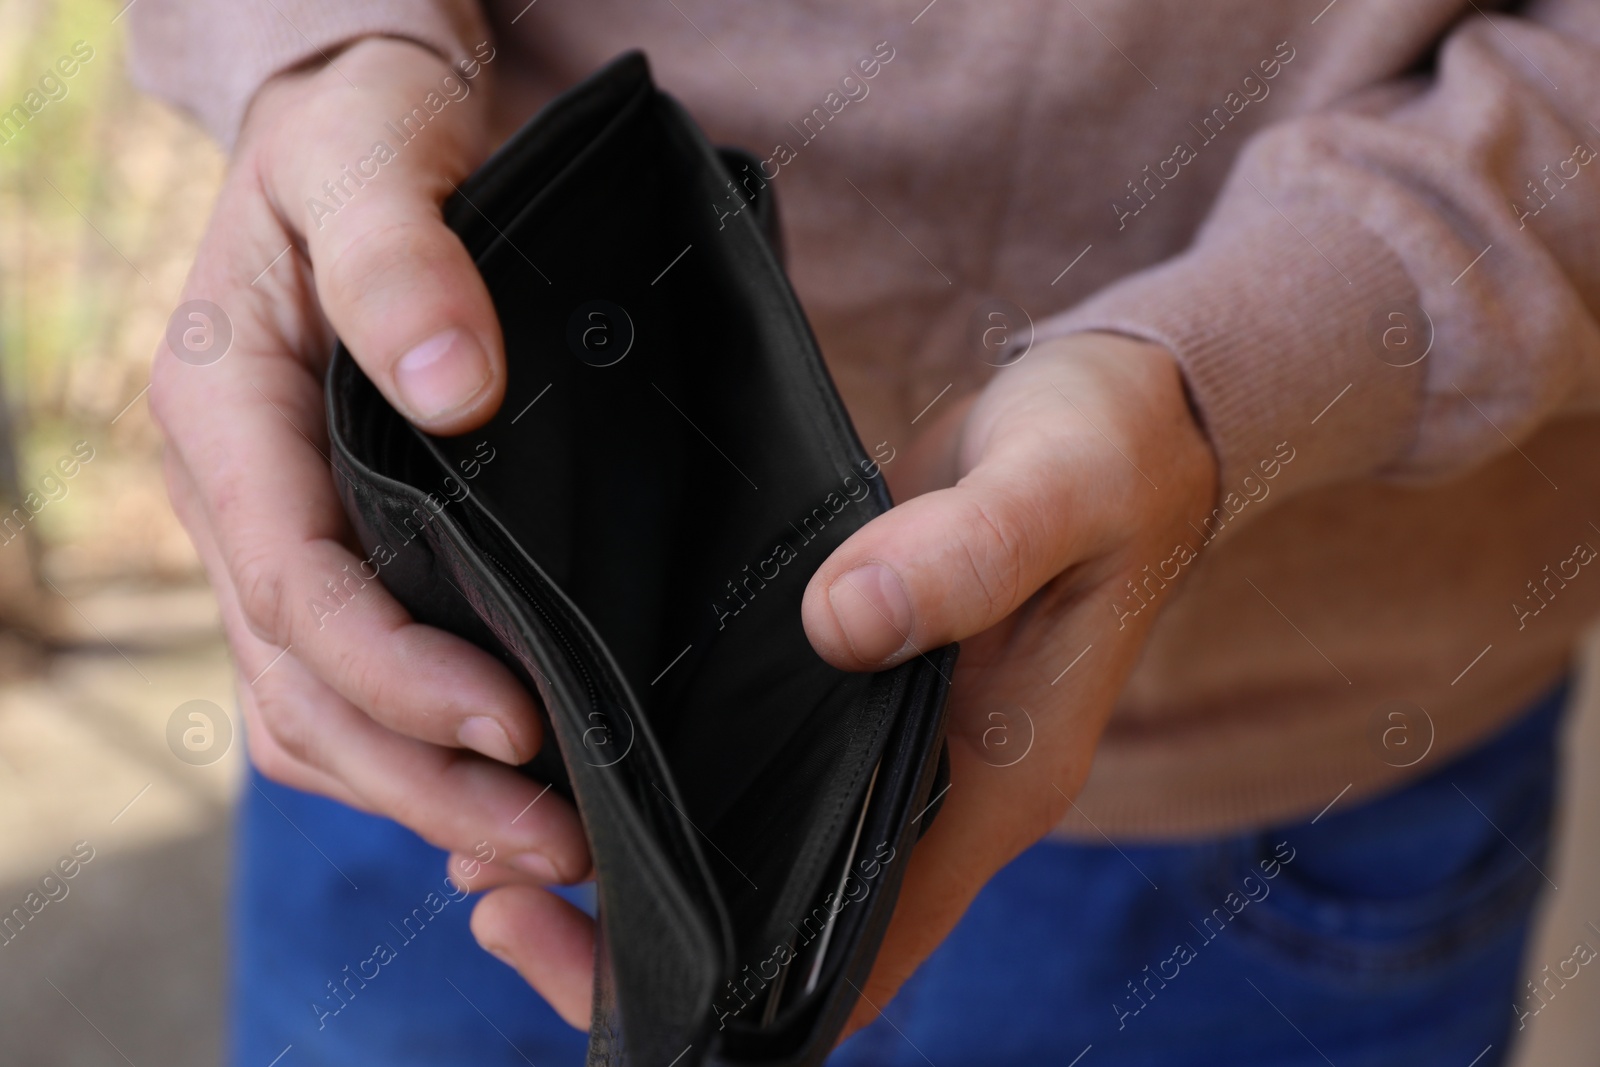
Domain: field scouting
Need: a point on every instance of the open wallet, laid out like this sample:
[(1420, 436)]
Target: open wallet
[(632, 535)]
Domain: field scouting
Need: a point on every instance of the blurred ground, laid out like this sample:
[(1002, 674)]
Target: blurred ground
[(107, 631), (127, 966)]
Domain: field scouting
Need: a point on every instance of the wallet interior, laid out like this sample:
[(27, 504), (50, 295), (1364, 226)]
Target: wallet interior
[(657, 515)]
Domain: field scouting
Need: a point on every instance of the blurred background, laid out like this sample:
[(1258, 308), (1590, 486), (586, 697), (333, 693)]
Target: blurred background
[(108, 636), (106, 626)]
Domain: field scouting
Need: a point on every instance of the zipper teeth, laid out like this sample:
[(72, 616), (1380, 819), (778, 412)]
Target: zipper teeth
[(683, 848), (551, 623), (559, 631)]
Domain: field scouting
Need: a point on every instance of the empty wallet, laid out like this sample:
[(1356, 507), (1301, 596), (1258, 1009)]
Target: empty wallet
[(632, 535)]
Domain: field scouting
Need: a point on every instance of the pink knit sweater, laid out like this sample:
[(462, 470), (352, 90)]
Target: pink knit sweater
[(1369, 229)]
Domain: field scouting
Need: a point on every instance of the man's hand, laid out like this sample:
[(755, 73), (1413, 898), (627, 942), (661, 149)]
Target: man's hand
[(1030, 506), (1059, 483), (341, 692)]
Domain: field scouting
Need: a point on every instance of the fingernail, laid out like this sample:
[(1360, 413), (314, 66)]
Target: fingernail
[(441, 374), (482, 734), (537, 865), (873, 610), (498, 953)]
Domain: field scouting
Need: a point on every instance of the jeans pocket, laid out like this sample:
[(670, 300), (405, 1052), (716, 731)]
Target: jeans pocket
[(1402, 888)]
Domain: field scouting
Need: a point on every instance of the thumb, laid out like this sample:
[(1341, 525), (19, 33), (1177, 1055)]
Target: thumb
[(396, 283), (408, 302), (942, 566)]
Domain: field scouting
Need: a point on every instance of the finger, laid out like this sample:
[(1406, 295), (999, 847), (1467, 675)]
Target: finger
[(410, 305), (475, 875), (395, 282), (548, 941), (275, 763), (1057, 455), (304, 735), (945, 565), (250, 655), (279, 527), (453, 800)]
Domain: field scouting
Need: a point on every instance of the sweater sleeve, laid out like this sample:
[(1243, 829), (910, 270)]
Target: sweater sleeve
[(208, 57), (1405, 284)]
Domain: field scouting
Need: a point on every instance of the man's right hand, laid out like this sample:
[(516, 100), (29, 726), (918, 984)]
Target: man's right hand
[(364, 704)]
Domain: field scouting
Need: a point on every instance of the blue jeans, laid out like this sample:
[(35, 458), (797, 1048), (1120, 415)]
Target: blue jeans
[(1387, 932)]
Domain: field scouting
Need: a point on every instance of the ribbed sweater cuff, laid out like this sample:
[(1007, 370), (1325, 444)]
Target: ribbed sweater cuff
[(209, 58), (1274, 331)]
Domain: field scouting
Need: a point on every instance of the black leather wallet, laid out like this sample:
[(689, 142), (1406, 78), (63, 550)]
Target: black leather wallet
[(632, 535)]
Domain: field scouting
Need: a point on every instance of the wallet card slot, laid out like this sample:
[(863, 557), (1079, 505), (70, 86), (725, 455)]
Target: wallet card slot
[(427, 533), (609, 718), (662, 888), (901, 801)]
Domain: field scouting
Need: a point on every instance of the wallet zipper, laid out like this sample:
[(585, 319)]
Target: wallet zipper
[(552, 625)]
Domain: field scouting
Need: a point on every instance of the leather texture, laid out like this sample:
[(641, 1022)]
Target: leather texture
[(632, 535)]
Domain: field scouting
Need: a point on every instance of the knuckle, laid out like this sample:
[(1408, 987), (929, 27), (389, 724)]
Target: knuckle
[(371, 680), (263, 595), (994, 559), (292, 737), (275, 764), (426, 821), (386, 256)]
